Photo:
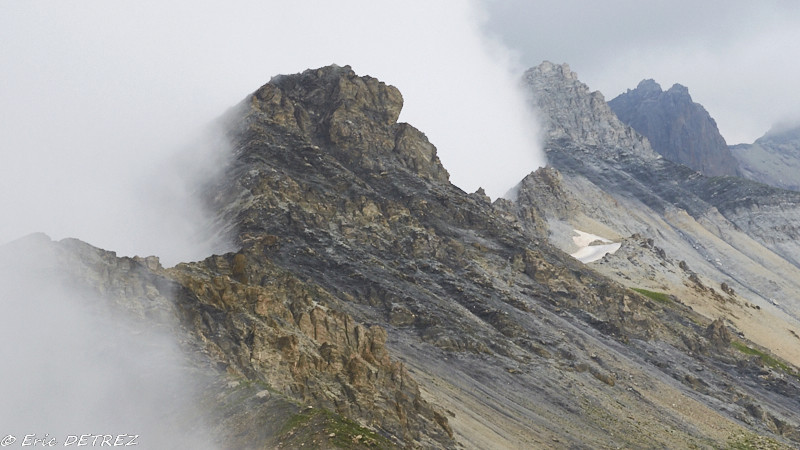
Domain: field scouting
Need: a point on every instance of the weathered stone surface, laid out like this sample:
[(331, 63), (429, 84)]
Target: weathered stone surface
[(718, 334), (276, 331)]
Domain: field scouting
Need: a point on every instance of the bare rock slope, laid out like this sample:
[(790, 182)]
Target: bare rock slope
[(719, 245)]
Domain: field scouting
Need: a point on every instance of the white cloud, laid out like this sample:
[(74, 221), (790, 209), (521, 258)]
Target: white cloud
[(75, 364), (98, 96)]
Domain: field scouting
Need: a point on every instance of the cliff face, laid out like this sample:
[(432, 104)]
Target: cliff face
[(373, 304), (773, 159), (679, 129)]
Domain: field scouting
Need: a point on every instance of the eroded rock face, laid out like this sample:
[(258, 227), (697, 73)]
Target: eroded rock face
[(677, 128), (265, 324), (334, 106)]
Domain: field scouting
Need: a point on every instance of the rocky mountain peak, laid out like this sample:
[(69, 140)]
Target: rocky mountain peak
[(562, 70), (679, 90), (572, 113), (649, 86), (353, 117), (678, 128), (326, 90)]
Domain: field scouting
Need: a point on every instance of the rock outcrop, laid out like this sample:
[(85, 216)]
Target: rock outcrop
[(678, 128), (773, 159)]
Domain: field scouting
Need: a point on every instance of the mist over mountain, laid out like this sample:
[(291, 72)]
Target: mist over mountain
[(369, 302), (91, 345), (678, 128), (772, 159)]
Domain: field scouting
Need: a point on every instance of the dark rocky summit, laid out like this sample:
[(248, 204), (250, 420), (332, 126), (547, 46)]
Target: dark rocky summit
[(772, 159), (678, 128), (371, 303)]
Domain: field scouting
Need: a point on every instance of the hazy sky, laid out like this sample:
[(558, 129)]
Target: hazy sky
[(738, 58), (98, 97)]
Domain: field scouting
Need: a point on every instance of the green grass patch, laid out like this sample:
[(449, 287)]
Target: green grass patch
[(311, 426), (659, 297), (296, 421), (750, 441), (766, 358)]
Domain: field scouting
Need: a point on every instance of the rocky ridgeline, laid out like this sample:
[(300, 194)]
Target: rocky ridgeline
[(326, 187), (679, 129), (412, 314), (267, 325), (659, 184)]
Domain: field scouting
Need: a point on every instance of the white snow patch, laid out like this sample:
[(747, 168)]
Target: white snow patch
[(589, 253)]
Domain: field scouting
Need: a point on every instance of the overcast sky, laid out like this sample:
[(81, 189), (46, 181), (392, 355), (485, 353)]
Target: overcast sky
[(98, 97), (740, 59)]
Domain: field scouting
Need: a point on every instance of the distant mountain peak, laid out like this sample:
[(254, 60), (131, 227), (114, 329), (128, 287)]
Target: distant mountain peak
[(563, 70), (679, 89), (677, 127), (649, 85), (574, 113)]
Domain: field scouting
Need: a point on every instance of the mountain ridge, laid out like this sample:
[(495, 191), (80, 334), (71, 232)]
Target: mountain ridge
[(368, 287)]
